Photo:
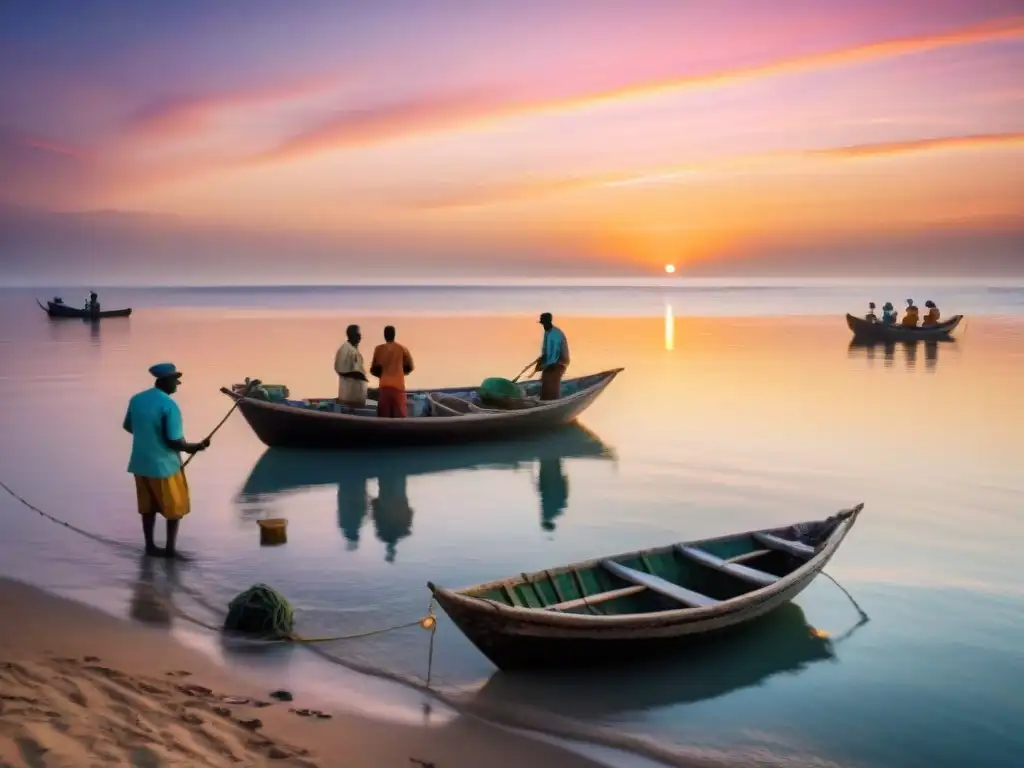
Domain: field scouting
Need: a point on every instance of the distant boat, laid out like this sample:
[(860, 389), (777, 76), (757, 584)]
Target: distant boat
[(627, 606), (866, 330), (53, 309), (319, 423)]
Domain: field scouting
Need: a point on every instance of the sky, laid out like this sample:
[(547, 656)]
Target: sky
[(325, 140)]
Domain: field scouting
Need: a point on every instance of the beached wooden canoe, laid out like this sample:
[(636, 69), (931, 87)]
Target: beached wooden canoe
[(64, 311), (637, 603), (321, 423), (866, 330)]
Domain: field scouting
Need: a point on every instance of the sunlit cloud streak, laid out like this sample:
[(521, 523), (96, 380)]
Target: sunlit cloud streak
[(447, 111)]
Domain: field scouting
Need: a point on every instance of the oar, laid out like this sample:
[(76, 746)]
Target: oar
[(245, 393), (528, 365)]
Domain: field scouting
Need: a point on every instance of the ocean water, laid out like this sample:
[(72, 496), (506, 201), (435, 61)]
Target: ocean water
[(739, 407)]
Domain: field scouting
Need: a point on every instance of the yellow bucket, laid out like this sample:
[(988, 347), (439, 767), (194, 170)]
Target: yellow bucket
[(273, 532)]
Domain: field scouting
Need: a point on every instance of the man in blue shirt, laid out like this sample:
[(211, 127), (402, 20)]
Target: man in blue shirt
[(553, 360), (154, 422)]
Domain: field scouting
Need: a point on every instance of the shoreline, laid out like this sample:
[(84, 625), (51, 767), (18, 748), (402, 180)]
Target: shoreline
[(79, 685)]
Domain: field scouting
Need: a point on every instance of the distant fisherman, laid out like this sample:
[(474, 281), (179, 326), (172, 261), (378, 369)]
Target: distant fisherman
[(889, 314), (871, 317), (348, 364), (910, 314), (391, 363), (154, 422), (932, 316), (553, 360)]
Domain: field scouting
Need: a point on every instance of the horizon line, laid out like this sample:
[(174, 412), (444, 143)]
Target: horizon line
[(553, 282)]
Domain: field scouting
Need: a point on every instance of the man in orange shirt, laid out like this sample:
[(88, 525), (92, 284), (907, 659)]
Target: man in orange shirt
[(391, 364)]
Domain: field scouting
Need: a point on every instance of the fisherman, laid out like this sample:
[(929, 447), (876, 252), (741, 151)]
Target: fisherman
[(888, 314), (932, 316), (391, 363), (911, 314), (871, 317), (154, 421), (348, 364), (553, 360)]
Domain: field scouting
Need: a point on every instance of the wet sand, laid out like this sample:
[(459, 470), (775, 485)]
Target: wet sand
[(78, 687)]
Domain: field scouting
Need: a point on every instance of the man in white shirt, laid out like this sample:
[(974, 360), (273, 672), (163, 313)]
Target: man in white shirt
[(348, 364)]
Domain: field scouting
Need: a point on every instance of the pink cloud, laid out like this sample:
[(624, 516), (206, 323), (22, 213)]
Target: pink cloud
[(180, 115)]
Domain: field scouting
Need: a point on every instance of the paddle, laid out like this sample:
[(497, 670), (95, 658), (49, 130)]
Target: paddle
[(249, 386), (528, 365)]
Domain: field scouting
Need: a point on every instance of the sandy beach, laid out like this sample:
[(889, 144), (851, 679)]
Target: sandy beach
[(80, 688)]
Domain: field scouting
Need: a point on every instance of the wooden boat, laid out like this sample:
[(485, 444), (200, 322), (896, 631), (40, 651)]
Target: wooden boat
[(64, 311), (865, 330), (321, 423), (280, 471), (637, 603)]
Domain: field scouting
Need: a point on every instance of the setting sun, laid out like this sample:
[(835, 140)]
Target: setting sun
[(670, 269)]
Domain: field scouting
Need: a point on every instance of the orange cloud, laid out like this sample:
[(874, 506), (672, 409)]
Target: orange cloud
[(505, 192), (435, 114), (920, 145)]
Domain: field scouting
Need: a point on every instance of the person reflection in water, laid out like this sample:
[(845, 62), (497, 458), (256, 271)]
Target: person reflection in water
[(553, 487), (146, 606), (353, 502), (392, 515)]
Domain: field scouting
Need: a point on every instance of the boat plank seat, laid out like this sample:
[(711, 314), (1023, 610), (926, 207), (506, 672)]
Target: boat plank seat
[(747, 574), (797, 548), (657, 584), (601, 597), (748, 556)]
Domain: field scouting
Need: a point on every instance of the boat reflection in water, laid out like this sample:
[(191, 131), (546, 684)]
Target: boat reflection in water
[(280, 471), (781, 642), (870, 350)]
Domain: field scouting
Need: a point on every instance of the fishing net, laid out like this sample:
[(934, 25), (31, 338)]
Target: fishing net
[(260, 610)]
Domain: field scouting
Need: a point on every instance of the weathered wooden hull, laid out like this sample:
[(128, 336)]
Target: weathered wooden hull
[(280, 425), (864, 330), (63, 311), (516, 638)]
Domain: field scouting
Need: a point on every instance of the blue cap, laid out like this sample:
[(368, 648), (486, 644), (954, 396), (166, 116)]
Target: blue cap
[(164, 371)]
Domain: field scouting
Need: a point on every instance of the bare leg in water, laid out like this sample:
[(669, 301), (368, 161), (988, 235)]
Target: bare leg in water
[(148, 526)]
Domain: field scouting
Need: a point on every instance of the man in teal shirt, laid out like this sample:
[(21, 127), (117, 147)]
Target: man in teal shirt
[(154, 421), (553, 360)]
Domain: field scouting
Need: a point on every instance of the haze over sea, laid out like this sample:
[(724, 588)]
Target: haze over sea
[(742, 405)]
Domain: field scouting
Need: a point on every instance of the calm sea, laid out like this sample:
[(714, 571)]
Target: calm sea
[(739, 407)]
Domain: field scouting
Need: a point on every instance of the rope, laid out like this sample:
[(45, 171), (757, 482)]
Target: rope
[(860, 610), (427, 622), (89, 535)]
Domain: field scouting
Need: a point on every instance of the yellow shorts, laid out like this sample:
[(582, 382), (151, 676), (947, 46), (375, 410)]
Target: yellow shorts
[(166, 495)]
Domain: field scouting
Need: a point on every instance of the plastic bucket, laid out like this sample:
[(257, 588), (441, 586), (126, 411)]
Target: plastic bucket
[(273, 532)]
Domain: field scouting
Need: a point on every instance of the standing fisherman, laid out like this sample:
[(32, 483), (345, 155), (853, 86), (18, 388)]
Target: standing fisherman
[(348, 364), (154, 422), (553, 360)]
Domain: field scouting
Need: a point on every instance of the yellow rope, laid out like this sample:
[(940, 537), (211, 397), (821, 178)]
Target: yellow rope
[(427, 622)]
